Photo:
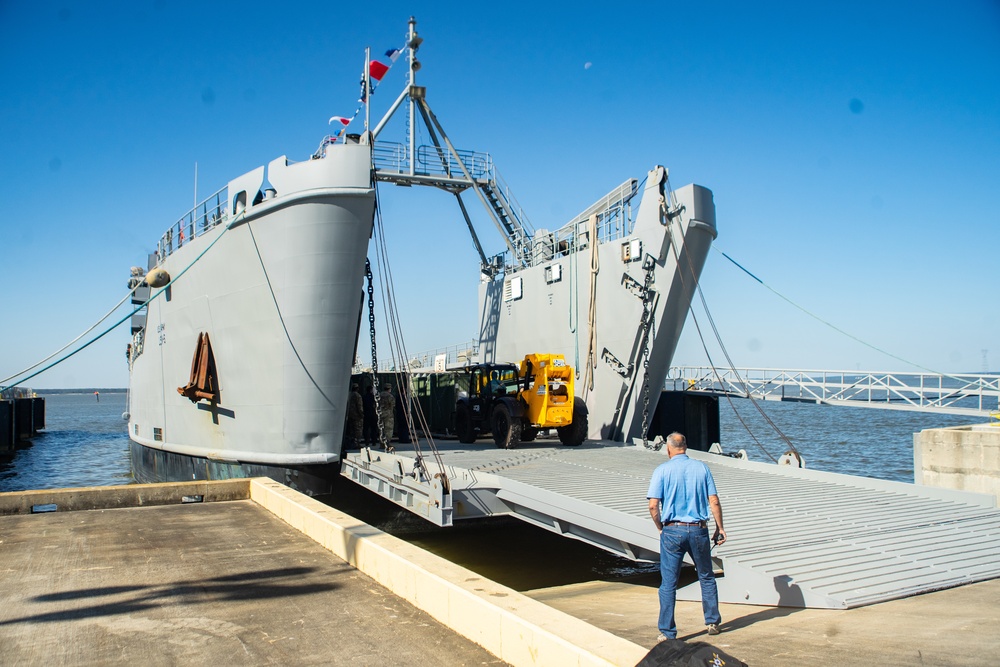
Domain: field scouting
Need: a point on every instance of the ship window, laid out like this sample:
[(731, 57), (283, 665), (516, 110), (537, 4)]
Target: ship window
[(512, 289), (553, 274), (158, 434), (135, 429)]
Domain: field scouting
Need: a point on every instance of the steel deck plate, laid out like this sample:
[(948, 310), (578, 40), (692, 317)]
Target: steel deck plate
[(798, 538)]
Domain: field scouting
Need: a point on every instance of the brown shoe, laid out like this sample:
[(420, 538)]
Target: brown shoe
[(713, 629)]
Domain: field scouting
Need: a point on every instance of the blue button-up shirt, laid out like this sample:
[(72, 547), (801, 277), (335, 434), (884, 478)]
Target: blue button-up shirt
[(682, 485)]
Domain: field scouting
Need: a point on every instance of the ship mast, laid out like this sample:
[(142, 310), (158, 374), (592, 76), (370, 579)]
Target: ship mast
[(486, 185), (413, 42)]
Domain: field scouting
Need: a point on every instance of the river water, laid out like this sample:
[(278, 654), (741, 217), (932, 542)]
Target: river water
[(85, 444)]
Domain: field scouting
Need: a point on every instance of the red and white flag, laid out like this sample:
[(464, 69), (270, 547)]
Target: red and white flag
[(377, 69), (340, 120)]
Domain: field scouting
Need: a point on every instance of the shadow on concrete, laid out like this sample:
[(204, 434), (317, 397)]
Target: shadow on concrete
[(748, 620), (255, 585)]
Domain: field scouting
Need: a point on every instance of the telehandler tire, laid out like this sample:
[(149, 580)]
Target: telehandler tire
[(506, 428)]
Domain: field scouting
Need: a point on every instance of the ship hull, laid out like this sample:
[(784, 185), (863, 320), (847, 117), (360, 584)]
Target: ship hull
[(278, 291), (150, 465)]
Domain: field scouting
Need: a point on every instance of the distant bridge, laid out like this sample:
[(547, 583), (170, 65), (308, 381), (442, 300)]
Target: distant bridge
[(964, 394)]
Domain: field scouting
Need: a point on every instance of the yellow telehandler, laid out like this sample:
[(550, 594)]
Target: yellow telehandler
[(515, 402)]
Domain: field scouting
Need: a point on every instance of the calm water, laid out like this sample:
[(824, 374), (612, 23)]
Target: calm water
[(85, 444), (856, 441)]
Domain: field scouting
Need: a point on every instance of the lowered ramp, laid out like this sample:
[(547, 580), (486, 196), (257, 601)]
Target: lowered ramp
[(797, 538)]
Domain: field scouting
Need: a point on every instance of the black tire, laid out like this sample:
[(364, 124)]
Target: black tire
[(528, 434), (506, 428), (574, 434), (464, 429)]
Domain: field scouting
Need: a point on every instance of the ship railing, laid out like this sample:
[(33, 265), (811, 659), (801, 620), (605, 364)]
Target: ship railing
[(613, 211), (138, 344), (971, 394), (208, 214), (497, 182), (391, 156), (438, 359), (391, 159), (614, 221)]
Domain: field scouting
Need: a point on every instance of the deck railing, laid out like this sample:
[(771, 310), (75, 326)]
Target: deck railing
[(205, 216), (453, 356)]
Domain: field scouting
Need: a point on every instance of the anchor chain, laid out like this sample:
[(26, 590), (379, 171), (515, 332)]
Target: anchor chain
[(647, 327), (371, 329)]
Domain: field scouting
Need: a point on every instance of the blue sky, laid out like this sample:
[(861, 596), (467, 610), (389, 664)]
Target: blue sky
[(853, 149)]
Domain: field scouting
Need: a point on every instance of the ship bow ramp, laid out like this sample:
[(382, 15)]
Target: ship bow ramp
[(797, 538)]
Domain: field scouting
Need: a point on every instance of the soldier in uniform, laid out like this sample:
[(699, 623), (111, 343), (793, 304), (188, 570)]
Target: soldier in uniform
[(387, 413), (355, 416)]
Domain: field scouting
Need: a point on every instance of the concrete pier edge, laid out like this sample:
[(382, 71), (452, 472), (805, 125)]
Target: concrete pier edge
[(511, 626)]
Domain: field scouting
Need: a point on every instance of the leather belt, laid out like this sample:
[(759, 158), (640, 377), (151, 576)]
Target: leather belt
[(703, 524)]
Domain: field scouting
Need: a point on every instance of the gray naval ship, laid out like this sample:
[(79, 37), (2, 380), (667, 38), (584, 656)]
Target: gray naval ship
[(251, 308), (239, 365)]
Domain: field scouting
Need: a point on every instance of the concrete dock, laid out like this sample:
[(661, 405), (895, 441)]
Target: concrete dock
[(951, 628), (205, 584), (254, 573)]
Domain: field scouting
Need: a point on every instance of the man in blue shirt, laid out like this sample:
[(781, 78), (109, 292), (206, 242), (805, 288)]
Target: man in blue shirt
[(681, 494)]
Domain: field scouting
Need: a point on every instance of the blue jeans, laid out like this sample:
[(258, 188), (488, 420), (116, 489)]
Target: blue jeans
[(675, 541)]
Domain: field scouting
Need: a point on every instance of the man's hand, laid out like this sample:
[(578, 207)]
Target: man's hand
[(654, 512), (720, 536)]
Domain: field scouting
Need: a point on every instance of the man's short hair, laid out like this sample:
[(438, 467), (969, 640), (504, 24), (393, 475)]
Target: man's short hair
[(677, 441)]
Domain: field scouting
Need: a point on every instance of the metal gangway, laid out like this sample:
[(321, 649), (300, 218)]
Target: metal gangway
[(962, 394)]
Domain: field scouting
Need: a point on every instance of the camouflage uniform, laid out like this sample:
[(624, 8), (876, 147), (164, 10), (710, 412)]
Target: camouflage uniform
[(355, 416)]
